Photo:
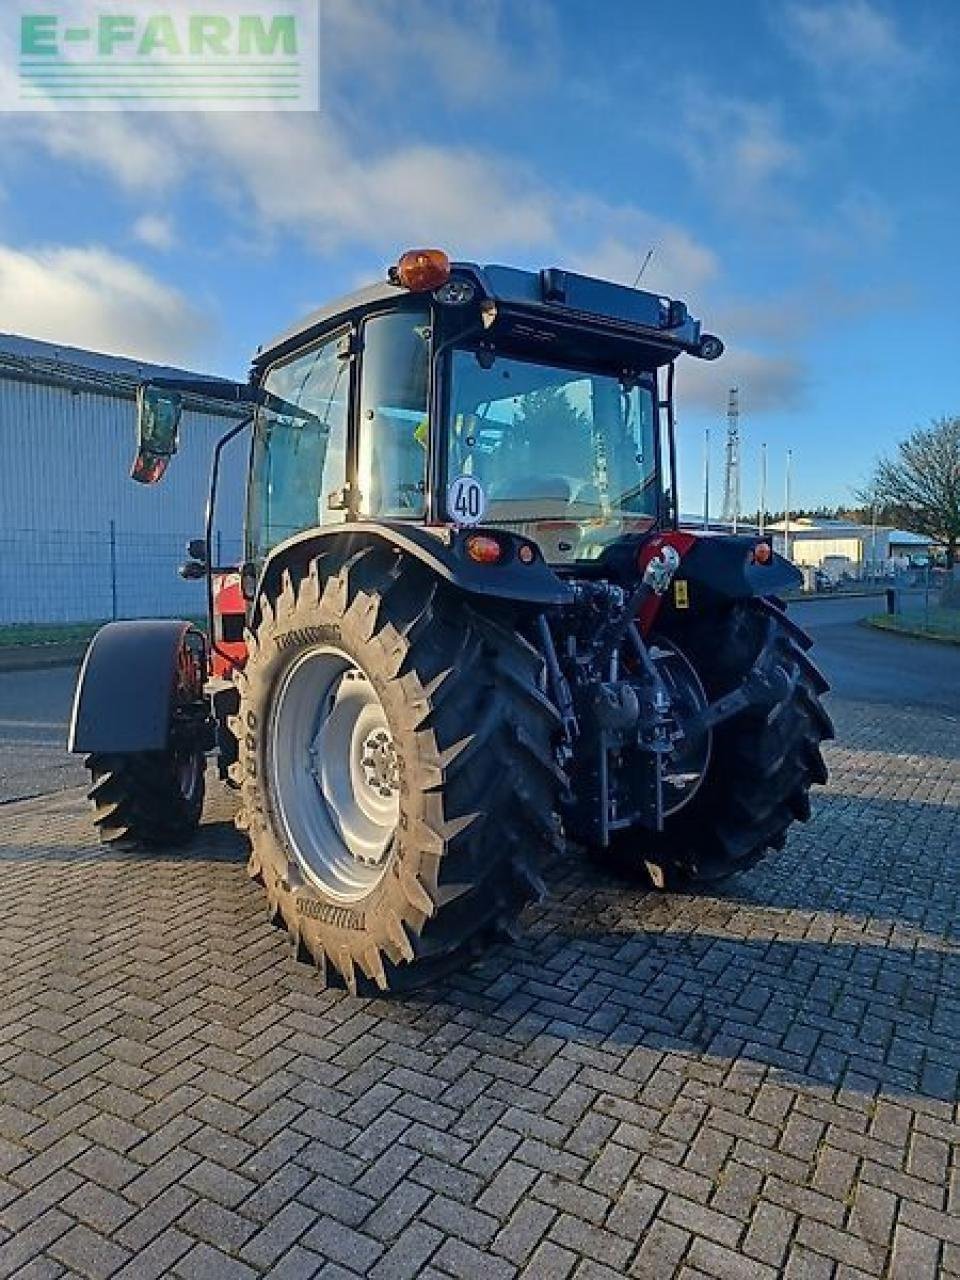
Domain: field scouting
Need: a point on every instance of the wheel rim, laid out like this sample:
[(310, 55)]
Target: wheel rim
[(190, 769), (685, 768), (334, 773)]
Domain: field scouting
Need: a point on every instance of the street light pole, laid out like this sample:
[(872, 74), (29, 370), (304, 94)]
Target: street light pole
[(706, 478), (786, 507), (873, 542), (762, 513)]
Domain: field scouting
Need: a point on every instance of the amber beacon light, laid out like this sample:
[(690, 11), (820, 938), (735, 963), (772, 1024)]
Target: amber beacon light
[(421, 269)]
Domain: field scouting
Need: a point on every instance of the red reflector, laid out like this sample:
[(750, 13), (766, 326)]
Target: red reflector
[(763, 553), (482, 549), (526, 554)]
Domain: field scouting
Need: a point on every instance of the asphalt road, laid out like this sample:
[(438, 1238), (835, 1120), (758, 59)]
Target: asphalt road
[(34, 711), (877, 667), (860, 664)]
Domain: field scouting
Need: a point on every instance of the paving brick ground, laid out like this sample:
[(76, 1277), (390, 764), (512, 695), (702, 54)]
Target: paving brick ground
[(757, 1084)]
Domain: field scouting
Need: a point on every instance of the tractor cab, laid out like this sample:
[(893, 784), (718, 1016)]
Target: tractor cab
[(461, 395), (456, 395)]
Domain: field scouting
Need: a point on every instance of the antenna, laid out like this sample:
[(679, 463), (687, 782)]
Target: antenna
[(644, 265), (731, 482)]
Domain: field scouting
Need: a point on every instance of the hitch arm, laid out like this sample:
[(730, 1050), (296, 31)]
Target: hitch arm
[(558, 681), (765, 686)]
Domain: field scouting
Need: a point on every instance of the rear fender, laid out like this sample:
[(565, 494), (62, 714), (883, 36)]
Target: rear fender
[(715, 569), (133, 677), (725, 565), (440, 548)]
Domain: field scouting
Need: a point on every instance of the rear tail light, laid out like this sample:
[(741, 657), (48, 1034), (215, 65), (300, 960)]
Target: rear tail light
[(483, 549), (762, 553)]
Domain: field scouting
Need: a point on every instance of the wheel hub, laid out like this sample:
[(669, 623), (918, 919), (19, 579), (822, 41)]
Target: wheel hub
[(335, 773), (378, 762), (685, 768)]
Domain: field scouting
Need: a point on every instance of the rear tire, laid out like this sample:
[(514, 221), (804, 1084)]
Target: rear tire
[(763, 765), (150, 797), (457, 701)]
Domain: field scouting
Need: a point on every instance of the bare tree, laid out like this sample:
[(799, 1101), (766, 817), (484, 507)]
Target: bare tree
[(920, 484)]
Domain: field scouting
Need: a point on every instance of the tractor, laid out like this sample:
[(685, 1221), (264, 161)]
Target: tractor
[(469, 630)]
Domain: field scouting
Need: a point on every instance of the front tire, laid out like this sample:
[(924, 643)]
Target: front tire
[(414, 832)]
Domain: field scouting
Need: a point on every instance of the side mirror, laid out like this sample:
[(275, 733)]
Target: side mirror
[(196, 566), (158, 423)]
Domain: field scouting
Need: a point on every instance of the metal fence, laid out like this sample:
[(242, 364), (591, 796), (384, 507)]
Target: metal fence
[(858, 578), (61, 576), (53, 576)]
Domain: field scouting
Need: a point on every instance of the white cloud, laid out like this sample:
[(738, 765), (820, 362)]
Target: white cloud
[(737, 149), (308, 180), (859, 223), (311, 180), (88, 297), (138, 151), (155, 232), (856, 50), (768, 383), (612, 241), (488, 52), (870, 219)]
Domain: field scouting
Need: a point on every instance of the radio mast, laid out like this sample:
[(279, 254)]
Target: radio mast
[(731, 480)]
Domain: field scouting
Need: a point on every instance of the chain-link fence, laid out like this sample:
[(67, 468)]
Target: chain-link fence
[(51, 575)]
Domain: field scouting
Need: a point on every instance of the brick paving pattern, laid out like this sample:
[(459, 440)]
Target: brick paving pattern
[(753, 1084)]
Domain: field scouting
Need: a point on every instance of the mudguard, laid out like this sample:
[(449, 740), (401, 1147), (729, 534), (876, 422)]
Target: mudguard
[(724, 564), (127, 685), (442, 549)]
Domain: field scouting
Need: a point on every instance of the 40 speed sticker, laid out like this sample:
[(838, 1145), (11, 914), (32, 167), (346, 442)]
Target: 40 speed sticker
[(466, 500)]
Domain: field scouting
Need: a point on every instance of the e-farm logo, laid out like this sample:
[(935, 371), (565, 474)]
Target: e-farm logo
[(212, 55)]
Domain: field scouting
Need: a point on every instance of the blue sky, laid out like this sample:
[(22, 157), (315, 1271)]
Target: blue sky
[(792, 163)]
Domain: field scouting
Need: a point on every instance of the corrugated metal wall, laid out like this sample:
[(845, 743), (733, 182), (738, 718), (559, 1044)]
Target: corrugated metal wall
[(78, 539)]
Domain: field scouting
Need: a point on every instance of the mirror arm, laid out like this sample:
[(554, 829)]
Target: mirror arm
[(208, 525)]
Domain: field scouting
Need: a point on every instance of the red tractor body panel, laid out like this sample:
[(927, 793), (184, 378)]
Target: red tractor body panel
[(229, 649), (681, 542)]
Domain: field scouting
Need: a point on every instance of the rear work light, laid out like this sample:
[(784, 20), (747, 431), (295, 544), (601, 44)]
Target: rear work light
[(483, 549), (421, 269)]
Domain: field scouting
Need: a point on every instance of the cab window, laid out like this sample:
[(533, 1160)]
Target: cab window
[(394, 381), (299, 448)]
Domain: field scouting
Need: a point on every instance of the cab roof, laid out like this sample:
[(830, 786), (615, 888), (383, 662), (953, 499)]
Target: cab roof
[(551, 295)]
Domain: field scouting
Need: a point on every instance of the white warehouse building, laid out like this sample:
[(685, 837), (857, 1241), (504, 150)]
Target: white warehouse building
[(79, 541), (841, 546)]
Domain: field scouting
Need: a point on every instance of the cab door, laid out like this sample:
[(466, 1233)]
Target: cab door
[(393, 421)]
